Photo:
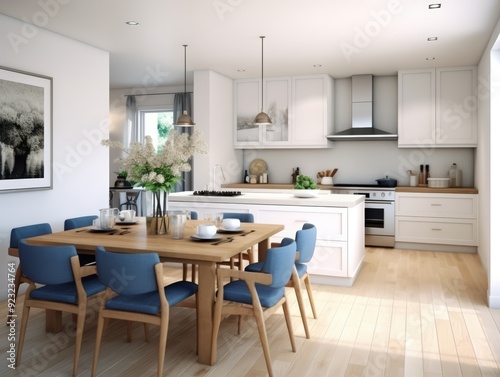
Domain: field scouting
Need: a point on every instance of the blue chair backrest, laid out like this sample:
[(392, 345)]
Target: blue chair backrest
[(78, 222), (243, 217), (127, 274), (47, 264), (22, 232), (280, 261), (306, 242)]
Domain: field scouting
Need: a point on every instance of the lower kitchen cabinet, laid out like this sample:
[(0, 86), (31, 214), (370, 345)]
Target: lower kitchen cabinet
[(340, 248), (441, 219)]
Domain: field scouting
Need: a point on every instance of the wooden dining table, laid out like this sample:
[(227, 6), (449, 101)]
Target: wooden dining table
[(134, 239)]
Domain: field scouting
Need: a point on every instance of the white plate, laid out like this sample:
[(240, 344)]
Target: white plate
[(305, 193), (99, 230), (212, 238), (224, 230), (125, 222)]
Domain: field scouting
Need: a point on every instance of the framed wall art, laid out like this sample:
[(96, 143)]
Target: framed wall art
[(25, 131)]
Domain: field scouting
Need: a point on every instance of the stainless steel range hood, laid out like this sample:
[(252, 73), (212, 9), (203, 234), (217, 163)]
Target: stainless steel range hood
[(362, 114)]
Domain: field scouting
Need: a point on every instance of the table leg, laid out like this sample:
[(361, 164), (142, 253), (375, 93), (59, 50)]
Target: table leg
[(53, 321), (206, 297), (262, 249)]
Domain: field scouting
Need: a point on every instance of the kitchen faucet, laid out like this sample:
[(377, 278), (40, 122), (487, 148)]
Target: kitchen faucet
[(222, 172)]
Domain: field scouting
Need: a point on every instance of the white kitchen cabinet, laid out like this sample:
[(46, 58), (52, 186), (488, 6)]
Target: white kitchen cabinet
[(340, 245), (437, 107), (447, 219), (331, 253), (300, 107), (312, 110)]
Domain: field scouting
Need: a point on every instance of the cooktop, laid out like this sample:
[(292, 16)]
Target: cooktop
[(216, 193)]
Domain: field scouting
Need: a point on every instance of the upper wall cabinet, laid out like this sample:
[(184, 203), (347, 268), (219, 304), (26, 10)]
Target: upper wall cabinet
[(300, 107), (437, 107)]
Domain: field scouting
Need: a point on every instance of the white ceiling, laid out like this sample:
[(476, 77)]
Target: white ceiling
[(345, 37)]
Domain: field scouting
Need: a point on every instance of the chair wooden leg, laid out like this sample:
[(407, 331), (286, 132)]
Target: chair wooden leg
[(193, 273), (80, 321), (17, 283), (100, 329), (259, 318), (184, 271), (307, 283), (215, 330), (162, 346), (129, 331), (289, 325), (298, 293), (146, 332), (22, 333)]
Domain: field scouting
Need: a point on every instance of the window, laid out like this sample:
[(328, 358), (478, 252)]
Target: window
[(156, 123)]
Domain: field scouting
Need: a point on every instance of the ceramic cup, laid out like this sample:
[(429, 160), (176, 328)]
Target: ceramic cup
[(126, 215), (206, 230), (230, 224)]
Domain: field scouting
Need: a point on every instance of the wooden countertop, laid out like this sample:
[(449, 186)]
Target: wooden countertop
[(437, 190), (289, 186)]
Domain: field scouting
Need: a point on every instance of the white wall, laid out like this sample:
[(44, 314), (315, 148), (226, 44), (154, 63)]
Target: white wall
[(213, 114), (489, 139), (80, 120)]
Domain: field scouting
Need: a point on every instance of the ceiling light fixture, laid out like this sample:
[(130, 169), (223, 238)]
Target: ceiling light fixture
[(430, 58), (132, 23), (184, 120), (431, 39), (262, 117), (434, 6), (316, 65)]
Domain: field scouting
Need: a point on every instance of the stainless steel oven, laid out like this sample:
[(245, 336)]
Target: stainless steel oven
[(379, 212)]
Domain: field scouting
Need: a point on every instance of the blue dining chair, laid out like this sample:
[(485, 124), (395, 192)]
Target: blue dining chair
[(244, 217), (80, 222), (18, 234), (141, 297), (306, 243), (257, 293), (193, 216), (56, 282)]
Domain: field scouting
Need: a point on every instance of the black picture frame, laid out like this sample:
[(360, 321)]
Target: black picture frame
[(25, 131)]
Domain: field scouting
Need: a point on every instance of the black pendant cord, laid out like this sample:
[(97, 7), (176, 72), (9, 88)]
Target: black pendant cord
[(262, 77), (185, 76)]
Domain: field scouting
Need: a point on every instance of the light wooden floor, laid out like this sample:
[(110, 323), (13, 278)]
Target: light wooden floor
[(410, 313)]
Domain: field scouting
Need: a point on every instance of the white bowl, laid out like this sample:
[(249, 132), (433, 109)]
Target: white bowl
[(206, 230), (230, 224), (303, 193)]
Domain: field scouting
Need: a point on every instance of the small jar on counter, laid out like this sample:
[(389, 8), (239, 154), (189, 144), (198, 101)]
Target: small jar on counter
[(264, 177), (253, 178)]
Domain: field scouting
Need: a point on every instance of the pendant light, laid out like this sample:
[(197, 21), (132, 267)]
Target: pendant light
[(184, 120), (262, 117)]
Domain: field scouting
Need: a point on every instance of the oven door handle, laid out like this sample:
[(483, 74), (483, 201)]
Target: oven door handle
[(379, 202)]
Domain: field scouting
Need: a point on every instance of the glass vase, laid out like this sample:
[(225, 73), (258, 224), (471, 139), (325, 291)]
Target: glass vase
[(157, 223)]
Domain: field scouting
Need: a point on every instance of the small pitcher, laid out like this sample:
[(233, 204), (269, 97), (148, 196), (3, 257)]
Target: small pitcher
[(107, 217)]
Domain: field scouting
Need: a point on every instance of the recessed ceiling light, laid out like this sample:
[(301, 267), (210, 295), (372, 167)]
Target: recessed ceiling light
[(430, 58), (241, 70), (434, 6), (132, 23), (431, 39)]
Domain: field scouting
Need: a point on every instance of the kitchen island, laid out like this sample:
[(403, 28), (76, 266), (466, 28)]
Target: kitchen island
[(340, 246)]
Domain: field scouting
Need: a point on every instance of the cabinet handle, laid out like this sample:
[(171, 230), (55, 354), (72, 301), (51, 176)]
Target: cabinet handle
[(436, 205), (437, 229)]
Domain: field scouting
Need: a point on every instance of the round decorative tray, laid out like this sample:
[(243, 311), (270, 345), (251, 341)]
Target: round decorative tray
[(257, 167)]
